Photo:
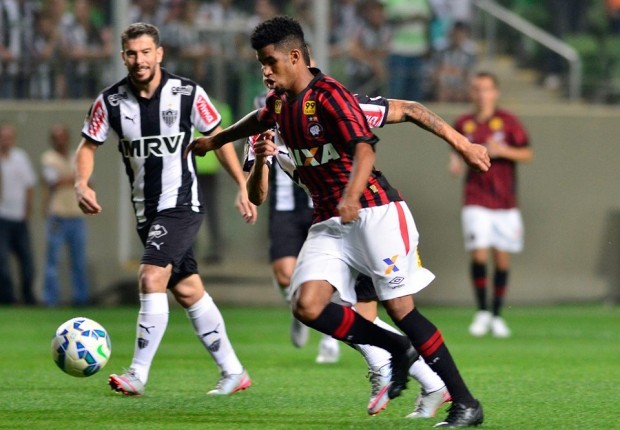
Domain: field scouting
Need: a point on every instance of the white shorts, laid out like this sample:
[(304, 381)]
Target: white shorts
[(381, 244), (484, 228)]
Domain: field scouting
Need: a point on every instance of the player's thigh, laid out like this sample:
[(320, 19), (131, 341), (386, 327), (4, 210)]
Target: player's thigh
[(321, 259), (287, 232), (384, 246), (477, 223), (507, 232), (169, 238)]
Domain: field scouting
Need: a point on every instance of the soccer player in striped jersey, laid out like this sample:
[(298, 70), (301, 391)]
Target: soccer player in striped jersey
[(277, 174), (491, 220), (153, 113), (360, 222)]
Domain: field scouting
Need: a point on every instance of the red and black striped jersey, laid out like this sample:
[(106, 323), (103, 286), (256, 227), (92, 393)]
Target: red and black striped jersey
[(497, 188), (320, 127)]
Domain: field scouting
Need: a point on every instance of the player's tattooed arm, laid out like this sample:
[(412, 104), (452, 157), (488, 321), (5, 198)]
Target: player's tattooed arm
[(409, 111)]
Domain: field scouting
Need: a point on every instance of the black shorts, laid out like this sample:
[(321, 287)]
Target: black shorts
[(364, 289), (287, 232), (168, 238)]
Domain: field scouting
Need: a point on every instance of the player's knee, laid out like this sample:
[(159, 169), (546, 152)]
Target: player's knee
[(306, 308)]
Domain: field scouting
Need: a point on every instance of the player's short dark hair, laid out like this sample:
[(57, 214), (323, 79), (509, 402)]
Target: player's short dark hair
[(282, 32), (489, 75), (137, 29)]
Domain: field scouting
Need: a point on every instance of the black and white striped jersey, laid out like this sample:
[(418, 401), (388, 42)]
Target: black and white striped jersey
[(152, 135)]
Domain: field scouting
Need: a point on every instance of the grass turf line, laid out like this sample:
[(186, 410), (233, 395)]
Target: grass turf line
[(560, 370)]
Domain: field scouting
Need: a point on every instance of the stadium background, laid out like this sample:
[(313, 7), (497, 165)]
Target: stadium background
[(569, 201)]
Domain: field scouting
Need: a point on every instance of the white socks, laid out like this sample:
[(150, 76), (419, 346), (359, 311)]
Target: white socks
[(211, 331), (420, 371), (150, 329)]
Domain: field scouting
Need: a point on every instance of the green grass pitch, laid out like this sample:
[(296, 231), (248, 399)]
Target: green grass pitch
[(560, 370)]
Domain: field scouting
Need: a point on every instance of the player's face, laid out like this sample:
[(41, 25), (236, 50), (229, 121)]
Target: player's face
[(278, 73), (484, 93), (142, 58)]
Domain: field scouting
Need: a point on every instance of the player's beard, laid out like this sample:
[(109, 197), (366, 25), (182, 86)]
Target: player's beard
[(144, 81)]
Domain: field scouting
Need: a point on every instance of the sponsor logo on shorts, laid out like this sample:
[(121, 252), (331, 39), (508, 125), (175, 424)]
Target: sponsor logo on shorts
[(391, 265), (396, 282)]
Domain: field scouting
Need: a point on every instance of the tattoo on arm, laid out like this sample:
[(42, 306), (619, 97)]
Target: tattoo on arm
[(424, 118)]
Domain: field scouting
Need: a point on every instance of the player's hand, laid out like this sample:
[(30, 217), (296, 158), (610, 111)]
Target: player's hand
[(495, 148), (349, 210), (477, 157), (200, 146), (245, 207), (264, 146), (87, 200)]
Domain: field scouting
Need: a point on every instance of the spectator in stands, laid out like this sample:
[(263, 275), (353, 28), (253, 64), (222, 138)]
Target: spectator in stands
[(86, 50), (453, 66), (10, 48), (46, 53), (612, 8), (150, 11), (368, 51), (409, 48), (445, 14), (65, 221), (17, 180)]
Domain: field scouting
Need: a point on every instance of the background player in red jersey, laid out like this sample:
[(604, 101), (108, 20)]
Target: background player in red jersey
[(354, 206), (490, 217)]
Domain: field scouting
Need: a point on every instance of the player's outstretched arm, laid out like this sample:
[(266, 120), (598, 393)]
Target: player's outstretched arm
[(409, 111), (84, 166), (246, 126), (227, 157), (258, 179)]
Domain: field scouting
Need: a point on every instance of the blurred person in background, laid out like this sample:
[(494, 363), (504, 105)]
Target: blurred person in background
[(65, 224), (46, 54), (491, 221), (410, 47), (453, 66), (86, 49), (368, 51), (17, 181)]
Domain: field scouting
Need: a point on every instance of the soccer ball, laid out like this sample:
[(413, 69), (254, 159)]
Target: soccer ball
[(81, 347)]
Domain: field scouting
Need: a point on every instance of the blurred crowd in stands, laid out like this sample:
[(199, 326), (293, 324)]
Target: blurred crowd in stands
[(410, 49)]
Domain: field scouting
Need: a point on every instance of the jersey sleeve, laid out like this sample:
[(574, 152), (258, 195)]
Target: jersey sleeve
[(518, 134), (375, 109), (97, 123), (205, 116), (266, 114), (344, 112)]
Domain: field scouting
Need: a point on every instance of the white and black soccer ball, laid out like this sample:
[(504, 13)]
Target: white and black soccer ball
[(81, 347)]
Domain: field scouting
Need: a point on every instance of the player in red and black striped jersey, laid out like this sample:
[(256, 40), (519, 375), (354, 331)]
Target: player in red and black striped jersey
[(490, 216), (361, 223)]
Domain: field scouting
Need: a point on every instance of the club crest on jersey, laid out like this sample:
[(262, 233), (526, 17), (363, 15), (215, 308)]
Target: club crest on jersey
[(315, 129), (184, 90), (170, 116), (316, 156), (309, 107), (277, 107), (115, 99)]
